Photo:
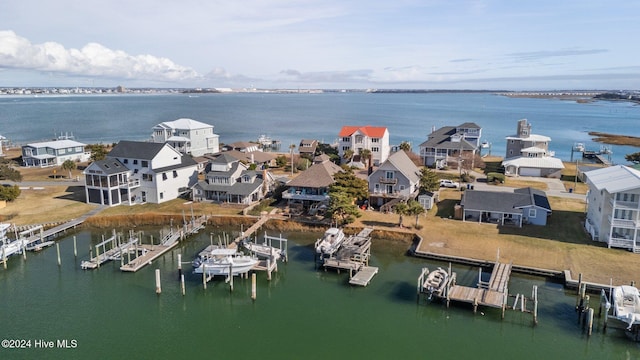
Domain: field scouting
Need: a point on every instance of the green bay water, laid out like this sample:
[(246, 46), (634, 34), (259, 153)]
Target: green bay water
[(302, 313)]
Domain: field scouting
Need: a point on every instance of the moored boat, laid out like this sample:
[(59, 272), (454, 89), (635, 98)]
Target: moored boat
[(223, 262), (9, 247), (624, 306), (436, 281), (262, 250), (330, 241)]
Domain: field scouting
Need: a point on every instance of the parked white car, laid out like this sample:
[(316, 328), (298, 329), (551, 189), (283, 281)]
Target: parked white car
[(449, 183)]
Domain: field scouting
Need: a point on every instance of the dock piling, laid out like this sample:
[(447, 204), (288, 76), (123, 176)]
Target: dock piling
[(182, 288), (590, 321), (253, 286), (179, 265), (58, 252), (158, 284), (75, 247)]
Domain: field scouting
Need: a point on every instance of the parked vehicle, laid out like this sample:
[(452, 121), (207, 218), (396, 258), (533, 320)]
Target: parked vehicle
[(449, 183)]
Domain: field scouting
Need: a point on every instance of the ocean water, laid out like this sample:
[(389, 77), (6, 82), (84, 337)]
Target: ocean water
[(303, 313), (291, 117)]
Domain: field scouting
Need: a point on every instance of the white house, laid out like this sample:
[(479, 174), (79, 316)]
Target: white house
[(139, 172), (357, 138), (613, 206), (395, 180), (187, 136), (528, 154), (54, 153)]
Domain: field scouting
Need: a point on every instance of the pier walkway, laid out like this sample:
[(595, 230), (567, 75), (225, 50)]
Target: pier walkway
[(354, 255), (53, 232)]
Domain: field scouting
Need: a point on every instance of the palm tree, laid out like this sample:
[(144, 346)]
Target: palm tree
[(405, 146), (68, 165), (366, 154), (401, 209), (348, 154), (291, 147), (415, 209)]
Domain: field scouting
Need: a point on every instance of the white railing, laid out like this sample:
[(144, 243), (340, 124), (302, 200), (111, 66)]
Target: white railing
[(624, 205), (623, 223)]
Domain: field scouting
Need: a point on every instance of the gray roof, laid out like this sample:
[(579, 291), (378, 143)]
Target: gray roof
[(136, 149), (186, 161), (504, 202), (224, 158), (316, 176), (242, 189), (614, 179), (110, 166), (441, 139), (400, 161), (468, 125)]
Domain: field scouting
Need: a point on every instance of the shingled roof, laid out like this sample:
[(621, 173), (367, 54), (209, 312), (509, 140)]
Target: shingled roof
[(316, 176)]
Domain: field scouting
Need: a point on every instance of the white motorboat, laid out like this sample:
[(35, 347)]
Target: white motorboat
[(579, 147), (223, 262), (485, 144), (330, 241), (9, 247), (436, 281), (262, 250), (624, 305)]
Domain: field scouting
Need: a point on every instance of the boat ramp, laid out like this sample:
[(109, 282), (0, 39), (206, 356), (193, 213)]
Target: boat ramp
[(493, 293), (354, 255)]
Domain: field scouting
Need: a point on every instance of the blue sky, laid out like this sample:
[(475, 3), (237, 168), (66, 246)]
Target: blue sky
[(427, 44)]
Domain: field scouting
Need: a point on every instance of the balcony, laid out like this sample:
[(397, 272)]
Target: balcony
[(384, 180), (623, 223), (624, 205)]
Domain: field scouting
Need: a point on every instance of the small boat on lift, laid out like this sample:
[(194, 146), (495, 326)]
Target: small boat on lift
[(262, 250), (579, 147), (623, 306), (485, 144), (222, 261), (330, 241), (10, 247), (436, 281)]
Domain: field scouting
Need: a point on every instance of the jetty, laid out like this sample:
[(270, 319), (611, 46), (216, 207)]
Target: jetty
[(354, 255)]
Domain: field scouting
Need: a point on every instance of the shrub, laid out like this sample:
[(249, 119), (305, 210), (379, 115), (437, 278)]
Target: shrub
[(494, 177)]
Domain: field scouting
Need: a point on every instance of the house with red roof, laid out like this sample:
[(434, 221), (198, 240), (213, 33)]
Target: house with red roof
[(357, 138)]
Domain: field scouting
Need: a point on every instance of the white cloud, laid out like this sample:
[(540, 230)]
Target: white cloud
[(91, 60)]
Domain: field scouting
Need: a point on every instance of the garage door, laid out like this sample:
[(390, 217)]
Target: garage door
[(529, 172)]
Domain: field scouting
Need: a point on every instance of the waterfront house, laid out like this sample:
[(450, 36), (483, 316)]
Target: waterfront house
[(448, 143), (522, 206), (229, 180), (243, 146), (357, 138), (307, 147), (54, 153), (397, 179), (262, 159), (187, 136), (311, 187), (528, 154), (613, 206), (139, 172)]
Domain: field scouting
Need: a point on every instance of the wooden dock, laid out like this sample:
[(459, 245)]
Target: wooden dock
[(493, 293), (364, 276), (354, 256), (171, 240)]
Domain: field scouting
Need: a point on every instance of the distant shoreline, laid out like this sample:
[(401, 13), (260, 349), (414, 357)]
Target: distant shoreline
[(614, 139)]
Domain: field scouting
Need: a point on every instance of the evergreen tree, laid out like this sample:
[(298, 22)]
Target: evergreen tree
[(429, 180), (341, 209), (9, 173), (633, 157)]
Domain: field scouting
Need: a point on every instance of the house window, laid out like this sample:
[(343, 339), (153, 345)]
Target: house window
[(62, 151), (125, 161), (147, 177), (388, 174), (175, 174), (358, 139), (145, 163), (161, 195), (346, 139), (164, 176), (401, 187), (135, 162), (375, 140), (532, 213), (375, 149), (345, 148)]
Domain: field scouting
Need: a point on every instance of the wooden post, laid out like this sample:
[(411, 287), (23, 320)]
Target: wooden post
[(269, 269), (75, 247), (204, 277), (230, 276), (4, 258), (475, 305), (58, 252), (590, 322), (158, 284), (253, 286), (535, 305), (579, 282), (24, 251), (179, 265), (182, 288)]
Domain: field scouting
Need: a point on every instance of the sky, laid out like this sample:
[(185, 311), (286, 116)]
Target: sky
[(321, 44)]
